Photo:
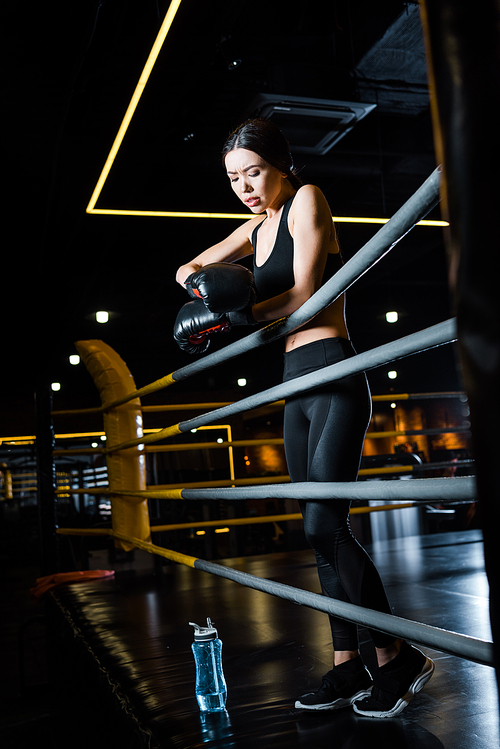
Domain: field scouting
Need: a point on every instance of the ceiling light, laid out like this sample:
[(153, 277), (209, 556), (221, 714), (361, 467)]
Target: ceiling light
[(391, 316), (74, 359), (55, 386), (392, 374), (102, 316)]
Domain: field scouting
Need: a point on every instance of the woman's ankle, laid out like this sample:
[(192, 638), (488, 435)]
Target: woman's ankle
[(342, 656), (387, 654)]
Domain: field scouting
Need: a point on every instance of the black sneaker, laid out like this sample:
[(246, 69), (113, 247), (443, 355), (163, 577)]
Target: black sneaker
[(340, 687), (396, 683)]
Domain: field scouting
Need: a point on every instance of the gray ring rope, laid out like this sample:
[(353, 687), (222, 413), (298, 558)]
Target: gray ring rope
[(423, 340), (456, 488), (437, 335), (415, 208), (463, 646)]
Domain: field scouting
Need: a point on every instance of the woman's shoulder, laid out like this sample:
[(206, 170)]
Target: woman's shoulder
[(310, 191), (310, 200)]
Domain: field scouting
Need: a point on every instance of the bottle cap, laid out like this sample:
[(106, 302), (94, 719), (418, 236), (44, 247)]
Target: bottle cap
[(204, 633)]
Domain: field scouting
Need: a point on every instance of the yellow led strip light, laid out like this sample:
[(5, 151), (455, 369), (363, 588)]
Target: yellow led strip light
[(153, 56), (150, 62)]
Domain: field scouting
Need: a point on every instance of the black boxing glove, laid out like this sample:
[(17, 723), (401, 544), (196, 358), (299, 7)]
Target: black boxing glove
[(224, 287), (195, 324)]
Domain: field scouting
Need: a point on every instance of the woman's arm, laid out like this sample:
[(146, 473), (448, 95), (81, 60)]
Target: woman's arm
[(313, 235), (236, 246)]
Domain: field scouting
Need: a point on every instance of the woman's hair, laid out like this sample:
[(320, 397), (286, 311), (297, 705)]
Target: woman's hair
[(266, 139)]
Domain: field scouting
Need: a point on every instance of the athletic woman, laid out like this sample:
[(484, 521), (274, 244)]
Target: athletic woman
[(294, 246)]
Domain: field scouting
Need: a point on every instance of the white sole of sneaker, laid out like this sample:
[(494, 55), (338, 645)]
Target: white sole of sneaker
[(417, 686), (337, 704)]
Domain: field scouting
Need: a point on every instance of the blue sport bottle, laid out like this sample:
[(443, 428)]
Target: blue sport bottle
[(211, 690)]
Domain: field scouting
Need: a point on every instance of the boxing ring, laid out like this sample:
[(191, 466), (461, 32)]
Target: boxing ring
[(127, 445)]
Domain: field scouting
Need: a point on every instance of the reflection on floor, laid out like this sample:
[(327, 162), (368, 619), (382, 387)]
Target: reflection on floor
[(274, 650)]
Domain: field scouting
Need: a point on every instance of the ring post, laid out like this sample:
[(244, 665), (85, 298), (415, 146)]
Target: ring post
[(46, 481), (126, 468)]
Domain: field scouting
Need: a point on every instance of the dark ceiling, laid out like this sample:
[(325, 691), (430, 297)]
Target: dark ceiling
[(71, 70)]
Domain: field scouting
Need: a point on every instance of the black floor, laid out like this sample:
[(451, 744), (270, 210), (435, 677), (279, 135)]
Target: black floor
[(273, 651)]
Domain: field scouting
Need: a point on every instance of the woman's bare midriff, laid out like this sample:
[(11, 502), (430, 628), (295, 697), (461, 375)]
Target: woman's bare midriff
[(330, 323)]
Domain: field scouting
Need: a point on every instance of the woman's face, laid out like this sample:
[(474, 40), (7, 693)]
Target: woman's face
[(257, 184)]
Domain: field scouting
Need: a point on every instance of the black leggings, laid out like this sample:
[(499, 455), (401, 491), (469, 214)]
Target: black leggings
[(324, 430)]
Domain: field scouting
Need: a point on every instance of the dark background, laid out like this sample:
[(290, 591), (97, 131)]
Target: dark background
[(69, 72)]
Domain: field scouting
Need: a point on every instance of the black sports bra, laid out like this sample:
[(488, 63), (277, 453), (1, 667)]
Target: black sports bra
[(275, 275)]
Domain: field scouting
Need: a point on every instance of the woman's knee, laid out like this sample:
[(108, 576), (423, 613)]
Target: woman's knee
[(324, 529)]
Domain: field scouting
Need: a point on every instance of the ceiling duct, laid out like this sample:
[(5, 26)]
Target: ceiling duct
[(312, 126), (394, 71)]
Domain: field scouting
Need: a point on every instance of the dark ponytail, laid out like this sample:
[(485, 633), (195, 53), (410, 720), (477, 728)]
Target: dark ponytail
[(264, 138)]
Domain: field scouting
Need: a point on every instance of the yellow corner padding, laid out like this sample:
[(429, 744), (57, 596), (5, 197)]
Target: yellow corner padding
[(126, 468)]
